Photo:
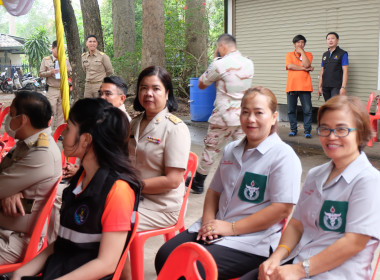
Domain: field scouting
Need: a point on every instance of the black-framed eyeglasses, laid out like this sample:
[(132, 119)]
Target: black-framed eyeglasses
[(338, 132)]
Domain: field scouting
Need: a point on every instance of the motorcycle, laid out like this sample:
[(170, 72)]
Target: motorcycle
[(6, 84), (29, 82)]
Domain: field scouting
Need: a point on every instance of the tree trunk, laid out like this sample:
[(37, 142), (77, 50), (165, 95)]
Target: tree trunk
[(74, 48), (92, 24), (153, 46), (124, 30), (196, 36)]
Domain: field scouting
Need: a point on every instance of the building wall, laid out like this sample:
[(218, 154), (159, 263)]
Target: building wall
[(264, 31), (14, 58)]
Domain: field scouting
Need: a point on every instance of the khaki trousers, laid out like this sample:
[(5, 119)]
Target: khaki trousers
[(54, 97), (91, 89)]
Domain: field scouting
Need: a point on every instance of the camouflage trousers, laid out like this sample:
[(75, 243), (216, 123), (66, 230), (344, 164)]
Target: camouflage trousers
[(215, 140)]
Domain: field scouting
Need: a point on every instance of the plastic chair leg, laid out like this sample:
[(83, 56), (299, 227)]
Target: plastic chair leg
[(137, 258), (169, 235)]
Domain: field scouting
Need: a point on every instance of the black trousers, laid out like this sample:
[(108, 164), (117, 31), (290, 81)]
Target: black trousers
[(329, 92), (231, 263)]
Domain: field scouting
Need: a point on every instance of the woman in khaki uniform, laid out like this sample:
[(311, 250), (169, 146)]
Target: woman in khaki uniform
[(159, 147)]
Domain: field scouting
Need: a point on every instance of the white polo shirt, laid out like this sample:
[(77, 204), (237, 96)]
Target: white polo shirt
[(348, 203), (250, 182)]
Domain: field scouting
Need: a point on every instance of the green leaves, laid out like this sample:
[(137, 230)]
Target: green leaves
[(37, 46)]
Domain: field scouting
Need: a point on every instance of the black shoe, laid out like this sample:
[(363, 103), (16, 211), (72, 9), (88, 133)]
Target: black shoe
[(4, 277), (60, 138), (198, 183)]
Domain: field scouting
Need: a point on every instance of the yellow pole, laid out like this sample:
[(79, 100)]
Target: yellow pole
[(62, 59)]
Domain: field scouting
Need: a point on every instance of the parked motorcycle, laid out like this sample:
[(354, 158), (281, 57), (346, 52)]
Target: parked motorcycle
[(29, 82), (6, 84)]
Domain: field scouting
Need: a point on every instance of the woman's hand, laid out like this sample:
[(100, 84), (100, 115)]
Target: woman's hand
[(70, 170), (267, 268), (286, 272), (214, 228)]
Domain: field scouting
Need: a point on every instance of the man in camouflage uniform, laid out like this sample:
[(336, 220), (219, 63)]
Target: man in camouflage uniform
[(49, 71), (232, 74), (97, 65)]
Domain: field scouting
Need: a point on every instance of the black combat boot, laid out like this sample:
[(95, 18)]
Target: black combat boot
[(198, 183)]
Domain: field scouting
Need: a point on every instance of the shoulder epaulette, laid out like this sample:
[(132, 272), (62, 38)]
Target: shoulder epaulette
[(43, 140), (101, 53), (83, 54), (174, 119), (47, 57)]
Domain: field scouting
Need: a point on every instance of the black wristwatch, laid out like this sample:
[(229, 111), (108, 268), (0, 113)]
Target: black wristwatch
[(306, 266)]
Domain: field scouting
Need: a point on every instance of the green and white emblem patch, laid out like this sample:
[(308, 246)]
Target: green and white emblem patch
[(333, 216), (252, 188)]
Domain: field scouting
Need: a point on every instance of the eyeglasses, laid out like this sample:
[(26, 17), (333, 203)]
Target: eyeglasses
[(338, 132)]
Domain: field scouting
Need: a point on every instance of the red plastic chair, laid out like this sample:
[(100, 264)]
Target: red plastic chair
[(124, 256), (183, 262), (375, 270), (373, 118), (58, 131), (137, 246), (3, 113), (32, 249), (1, 106)]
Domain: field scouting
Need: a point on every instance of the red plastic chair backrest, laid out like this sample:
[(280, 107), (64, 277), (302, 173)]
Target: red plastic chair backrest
[(32, 249), (370, 100), (3, 114), (192, 164), (58, 131), (124, 256), (183, 262), (377, 265)]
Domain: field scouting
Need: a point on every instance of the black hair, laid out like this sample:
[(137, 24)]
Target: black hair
[(109, 128), (119, 82), (35, 105), (333, 33), (299, 37), (91, 36), (227, 39), (165, 79), (54, 44)]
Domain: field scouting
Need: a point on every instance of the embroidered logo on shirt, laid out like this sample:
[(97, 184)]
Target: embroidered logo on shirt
[(252, 188), (81, 214), (324, 58), (336, 57), (333, 216)]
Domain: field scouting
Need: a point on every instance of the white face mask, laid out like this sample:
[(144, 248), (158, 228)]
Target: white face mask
[(8, 129)]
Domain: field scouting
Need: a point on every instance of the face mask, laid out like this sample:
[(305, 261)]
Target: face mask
[(8, 129)]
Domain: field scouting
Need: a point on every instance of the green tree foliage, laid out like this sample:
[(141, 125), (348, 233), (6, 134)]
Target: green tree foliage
[(37, 46)]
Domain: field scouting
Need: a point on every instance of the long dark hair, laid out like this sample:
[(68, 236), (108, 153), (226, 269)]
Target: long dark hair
[(109, 128), (165, 79)]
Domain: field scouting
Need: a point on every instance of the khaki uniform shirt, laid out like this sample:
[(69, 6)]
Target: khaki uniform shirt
[(232, 75), (164, 142), (96, 66), (47, 71), (31, 167)]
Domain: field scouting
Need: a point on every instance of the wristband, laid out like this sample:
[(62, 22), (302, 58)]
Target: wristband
[(286, 247)]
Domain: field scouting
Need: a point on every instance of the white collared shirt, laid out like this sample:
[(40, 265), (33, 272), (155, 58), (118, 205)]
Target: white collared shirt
[(273, 164), (358, 186)]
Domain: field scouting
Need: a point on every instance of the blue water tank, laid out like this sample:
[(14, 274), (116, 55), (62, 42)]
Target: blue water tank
[(201, 101)]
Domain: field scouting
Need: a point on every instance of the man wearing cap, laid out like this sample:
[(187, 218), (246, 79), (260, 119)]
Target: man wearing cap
[(97, 65), (50, 70), (28, 171)]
